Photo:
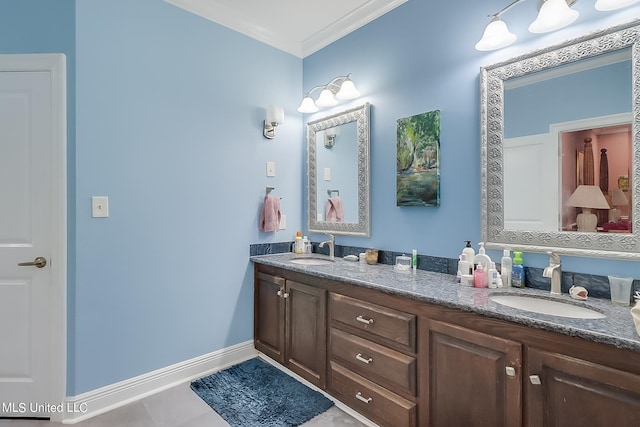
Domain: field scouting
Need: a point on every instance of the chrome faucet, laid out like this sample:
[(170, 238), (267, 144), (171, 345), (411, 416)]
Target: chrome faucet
[(332, 244), (554, 271)]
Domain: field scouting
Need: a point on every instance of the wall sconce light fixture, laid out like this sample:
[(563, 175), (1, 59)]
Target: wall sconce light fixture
[(341, 87), (275, 116), (552, 15), (330, 136)]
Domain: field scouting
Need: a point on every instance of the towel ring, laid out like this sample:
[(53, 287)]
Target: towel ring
[(333, 191)]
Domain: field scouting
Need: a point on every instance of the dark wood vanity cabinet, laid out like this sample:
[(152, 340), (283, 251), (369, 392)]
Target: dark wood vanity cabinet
[(290, 325), (473, 379), (405, 363), (570, 392)]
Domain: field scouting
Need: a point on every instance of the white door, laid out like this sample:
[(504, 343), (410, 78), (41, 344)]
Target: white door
[(29, 294)]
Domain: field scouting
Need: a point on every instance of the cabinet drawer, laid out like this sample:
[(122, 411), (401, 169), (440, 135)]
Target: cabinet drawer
[(389, 368), (371, 400), (395, 326)]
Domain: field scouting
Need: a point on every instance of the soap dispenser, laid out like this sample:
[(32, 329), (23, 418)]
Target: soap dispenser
[(482, 259)]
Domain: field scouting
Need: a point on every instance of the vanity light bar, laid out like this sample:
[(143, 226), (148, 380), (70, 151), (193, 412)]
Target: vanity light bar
[(552, 15), (341, 87)]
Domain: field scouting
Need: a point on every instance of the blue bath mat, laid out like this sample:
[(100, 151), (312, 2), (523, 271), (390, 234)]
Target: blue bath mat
[(255, 393)]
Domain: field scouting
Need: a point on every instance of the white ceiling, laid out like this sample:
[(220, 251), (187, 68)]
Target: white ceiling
[(300, 27)]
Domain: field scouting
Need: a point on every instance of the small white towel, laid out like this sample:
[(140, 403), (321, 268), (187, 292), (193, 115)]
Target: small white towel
[(270, 214), (334, 210)]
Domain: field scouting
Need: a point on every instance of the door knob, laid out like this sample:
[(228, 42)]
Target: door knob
[(38, 262)]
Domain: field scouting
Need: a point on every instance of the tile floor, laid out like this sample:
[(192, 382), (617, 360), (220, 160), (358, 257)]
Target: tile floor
[(177, 407)]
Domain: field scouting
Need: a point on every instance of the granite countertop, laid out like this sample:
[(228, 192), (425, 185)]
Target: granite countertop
[(616, 329)]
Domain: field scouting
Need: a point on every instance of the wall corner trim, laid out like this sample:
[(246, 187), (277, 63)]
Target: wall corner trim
[(104, 399)]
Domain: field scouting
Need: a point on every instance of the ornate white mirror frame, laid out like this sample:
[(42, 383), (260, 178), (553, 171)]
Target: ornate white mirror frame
[(492, 83), (359, 115)]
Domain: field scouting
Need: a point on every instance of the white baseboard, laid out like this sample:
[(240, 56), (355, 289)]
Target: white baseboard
[(96, 402)]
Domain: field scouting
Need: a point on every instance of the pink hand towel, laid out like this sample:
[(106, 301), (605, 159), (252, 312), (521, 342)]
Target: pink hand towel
[(270, 214), (334, 210)]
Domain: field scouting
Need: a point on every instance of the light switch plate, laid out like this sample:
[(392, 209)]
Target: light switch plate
[(327, 174), (271, 169), (99, 206)]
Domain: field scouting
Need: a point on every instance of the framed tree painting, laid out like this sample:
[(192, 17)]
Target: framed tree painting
[(418, 160)]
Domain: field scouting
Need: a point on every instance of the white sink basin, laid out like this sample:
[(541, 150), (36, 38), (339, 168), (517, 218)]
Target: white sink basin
[(312, 260), (546, 306)]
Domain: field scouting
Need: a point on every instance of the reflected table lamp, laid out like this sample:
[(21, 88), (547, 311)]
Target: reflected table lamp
[(587, 197), (618, 199)]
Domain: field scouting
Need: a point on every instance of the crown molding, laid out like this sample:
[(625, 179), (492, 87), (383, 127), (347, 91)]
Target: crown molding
[(221, 12)]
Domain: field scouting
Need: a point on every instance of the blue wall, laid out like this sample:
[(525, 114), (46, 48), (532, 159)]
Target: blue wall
[(420, 57), (170, 111)]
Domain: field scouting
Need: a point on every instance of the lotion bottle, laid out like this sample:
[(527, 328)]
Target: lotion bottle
[(463, 265), (505, 267), (470, 253), (494, 277)]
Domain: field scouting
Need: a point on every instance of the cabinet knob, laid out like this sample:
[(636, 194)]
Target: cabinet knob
[(511, 371), (361, 318), (362, 359), (535, 379), (279, 293), (286, 295), (361, 398)]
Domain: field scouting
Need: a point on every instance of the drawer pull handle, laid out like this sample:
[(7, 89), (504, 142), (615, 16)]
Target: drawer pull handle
[(362, 359), (535, 379), (361, 398), (363, 320)]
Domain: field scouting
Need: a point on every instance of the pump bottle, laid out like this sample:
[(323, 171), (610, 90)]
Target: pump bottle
[(470, 253)]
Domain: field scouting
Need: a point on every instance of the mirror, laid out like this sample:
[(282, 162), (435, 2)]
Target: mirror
[(338, 173), (558, 120)]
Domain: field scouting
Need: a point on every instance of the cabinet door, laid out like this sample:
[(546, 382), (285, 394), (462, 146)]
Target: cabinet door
[(467, 381), (306, 332), (268, 326), (565, 391)]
